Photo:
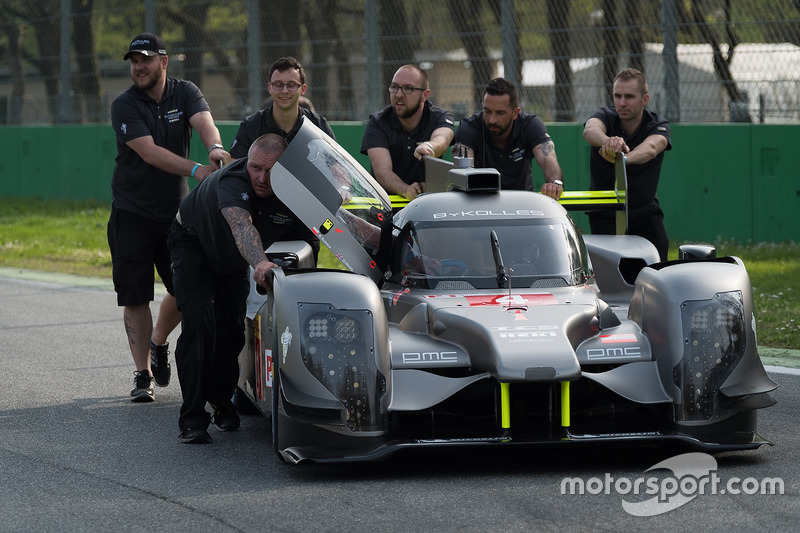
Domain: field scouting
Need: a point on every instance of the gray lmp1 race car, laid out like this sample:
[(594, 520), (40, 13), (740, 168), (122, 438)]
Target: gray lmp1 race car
[(481, 317)]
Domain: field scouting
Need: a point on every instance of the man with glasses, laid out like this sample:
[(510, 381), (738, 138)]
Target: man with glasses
[(506, 138), (398, 137), (287, 84)]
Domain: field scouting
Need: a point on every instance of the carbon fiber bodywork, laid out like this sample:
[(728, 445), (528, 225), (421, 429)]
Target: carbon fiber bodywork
[(484, 318)]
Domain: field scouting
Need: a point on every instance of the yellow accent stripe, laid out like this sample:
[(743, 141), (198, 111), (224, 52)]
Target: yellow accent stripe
[(568, 198), (565, 410), (398, 202), (591, 197), (505, 405)]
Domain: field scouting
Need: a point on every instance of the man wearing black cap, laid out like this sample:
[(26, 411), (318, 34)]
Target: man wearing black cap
[(153, 121)]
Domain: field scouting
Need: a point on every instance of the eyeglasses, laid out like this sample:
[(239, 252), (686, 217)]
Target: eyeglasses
[(292, 86), (407, 89)]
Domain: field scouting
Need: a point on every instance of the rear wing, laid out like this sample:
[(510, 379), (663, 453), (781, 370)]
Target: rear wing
[(614, 200), (442, 174)]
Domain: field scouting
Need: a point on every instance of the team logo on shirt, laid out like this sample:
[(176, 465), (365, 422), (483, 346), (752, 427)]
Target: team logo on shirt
[(245, 197), (173, 115), (124, 128)]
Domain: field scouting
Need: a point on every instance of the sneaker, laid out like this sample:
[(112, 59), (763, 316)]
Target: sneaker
[(224, 416), (142, 387), (194, 436), (159, 363)]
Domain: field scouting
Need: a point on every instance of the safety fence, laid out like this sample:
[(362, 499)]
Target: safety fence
[(705, 60)]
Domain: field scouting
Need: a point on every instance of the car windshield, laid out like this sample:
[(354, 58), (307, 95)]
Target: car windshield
[(540, 253)]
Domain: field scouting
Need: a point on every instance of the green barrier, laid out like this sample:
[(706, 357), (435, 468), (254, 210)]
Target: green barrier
[(730, 181)]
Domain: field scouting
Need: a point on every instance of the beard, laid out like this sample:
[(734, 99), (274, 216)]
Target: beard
[(497, 130), (409, 111), (150, 82)]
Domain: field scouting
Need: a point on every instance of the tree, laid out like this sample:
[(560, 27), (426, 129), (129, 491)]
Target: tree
[(396, 47), (44, 16), (87, 84), (722, 62), (561, 46), (15, 33), (467, 19), (327, 45), (193, 24), (281, 33), (612, 45)]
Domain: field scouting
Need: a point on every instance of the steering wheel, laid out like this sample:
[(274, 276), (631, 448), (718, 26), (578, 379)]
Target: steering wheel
[(453, 267)]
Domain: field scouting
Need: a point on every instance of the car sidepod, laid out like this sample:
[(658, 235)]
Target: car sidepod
[(331, 365), (700, 321)]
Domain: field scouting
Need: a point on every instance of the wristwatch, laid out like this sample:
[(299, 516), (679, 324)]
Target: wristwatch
[(558, 182), (215, 146)]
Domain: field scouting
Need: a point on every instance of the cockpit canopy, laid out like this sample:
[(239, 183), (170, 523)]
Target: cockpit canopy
[(462, 254), (457, 239)]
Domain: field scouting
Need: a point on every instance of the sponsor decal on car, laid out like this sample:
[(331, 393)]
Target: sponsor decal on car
[(286, 341), (490, 213), (525, 333), (270, 369), (429, 357), (478, 300), (626, 352), (258, 363), (621, 337), (326, 226)]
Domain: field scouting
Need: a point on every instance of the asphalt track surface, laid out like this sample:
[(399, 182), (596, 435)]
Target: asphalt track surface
[(77, 455)]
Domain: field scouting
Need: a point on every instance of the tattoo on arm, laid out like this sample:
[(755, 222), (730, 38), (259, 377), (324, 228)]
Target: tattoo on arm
[(245, 234), (547, 148)]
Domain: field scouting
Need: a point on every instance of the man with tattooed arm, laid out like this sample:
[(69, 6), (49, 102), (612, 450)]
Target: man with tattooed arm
[(222, 228), (504, 137)]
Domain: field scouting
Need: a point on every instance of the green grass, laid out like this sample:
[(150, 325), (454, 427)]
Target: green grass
[(70, 237), (774, 271), (55, 236)]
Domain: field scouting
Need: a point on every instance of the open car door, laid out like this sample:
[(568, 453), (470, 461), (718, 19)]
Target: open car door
[(335, 197)]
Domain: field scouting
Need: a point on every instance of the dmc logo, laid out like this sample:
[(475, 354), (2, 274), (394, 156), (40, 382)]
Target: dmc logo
[(429, 357), (631, 352)]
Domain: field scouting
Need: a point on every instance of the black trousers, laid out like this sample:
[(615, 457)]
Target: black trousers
[(212, 327)]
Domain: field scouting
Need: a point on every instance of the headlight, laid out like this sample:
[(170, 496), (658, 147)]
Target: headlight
[(714, 343), (338, 349)]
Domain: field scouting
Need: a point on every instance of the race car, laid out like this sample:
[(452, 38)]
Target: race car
[(483, 317)]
